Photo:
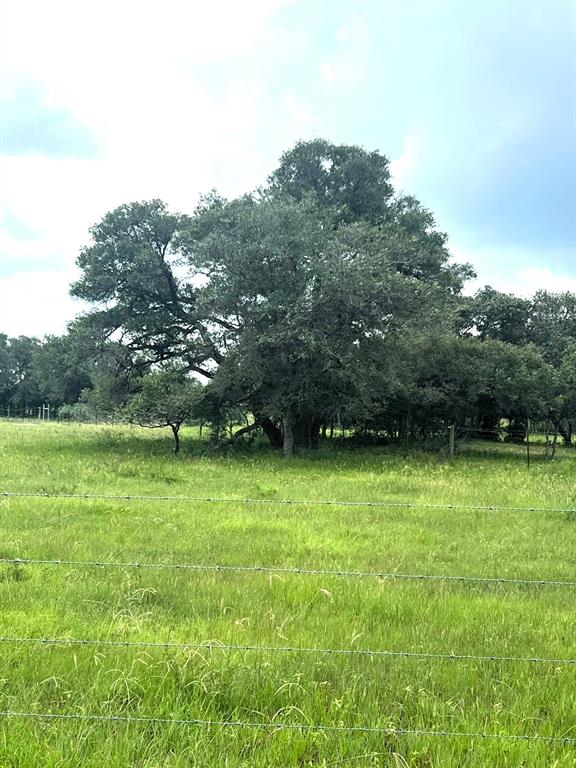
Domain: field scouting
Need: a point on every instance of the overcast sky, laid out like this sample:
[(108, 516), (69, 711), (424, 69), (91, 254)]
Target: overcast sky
[(106, 102)]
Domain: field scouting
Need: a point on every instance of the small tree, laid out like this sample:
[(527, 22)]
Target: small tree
[(167, 399)]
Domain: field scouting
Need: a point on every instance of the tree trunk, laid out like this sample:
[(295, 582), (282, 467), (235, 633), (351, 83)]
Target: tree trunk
[(246, 430), (406, 428), (314, 433), (271, 431), (306, 431), (288, 444), (554, 444), (566, 433), (175, 431)]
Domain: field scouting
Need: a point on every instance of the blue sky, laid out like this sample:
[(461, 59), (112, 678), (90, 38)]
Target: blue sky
[(473, 102)]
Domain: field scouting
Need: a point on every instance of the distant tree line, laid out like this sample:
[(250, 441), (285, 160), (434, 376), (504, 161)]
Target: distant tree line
[(80, 367), (322, 299)]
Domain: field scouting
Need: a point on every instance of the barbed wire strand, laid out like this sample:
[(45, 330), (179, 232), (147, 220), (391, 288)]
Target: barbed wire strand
[(308, 727), (317, 502), (218, 646), (19, 561)]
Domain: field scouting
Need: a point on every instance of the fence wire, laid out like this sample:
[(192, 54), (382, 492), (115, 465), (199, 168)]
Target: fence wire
[(389, 731), (309, 502), (212, 645), (19, 561)]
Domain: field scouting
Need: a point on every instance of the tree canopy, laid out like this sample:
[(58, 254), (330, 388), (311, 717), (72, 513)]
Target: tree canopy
[(167, 398), (323, 296)]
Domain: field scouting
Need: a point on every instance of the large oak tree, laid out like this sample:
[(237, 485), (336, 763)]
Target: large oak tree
[(285, 298)]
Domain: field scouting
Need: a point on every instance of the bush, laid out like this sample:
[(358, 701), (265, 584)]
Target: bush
[(77, 412)]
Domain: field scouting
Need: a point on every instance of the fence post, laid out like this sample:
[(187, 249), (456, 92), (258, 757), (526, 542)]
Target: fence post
[(451, 436), (528, 442)]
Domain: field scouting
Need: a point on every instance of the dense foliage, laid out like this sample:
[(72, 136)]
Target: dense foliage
[(80, 366), (322, 298)]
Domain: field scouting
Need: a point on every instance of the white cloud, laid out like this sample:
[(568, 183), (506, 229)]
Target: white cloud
[(173, 114), (533, 279), (511, 270), (36, 303), (404, 168), (134, 72), (138, 76), (69, 38)]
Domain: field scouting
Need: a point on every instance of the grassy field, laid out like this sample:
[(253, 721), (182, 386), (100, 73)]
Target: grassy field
[(258, 609)]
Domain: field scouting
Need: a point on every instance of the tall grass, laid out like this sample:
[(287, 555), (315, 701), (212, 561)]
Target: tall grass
[(277, 610)]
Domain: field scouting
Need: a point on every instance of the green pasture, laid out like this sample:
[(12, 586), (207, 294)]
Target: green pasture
[(249, 608)]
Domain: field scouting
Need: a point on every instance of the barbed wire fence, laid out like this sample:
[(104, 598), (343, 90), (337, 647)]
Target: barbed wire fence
[(390, 730), (290, 502), (48, 412), (527, 439), (452, 438), (214, 646), (223, 568)]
